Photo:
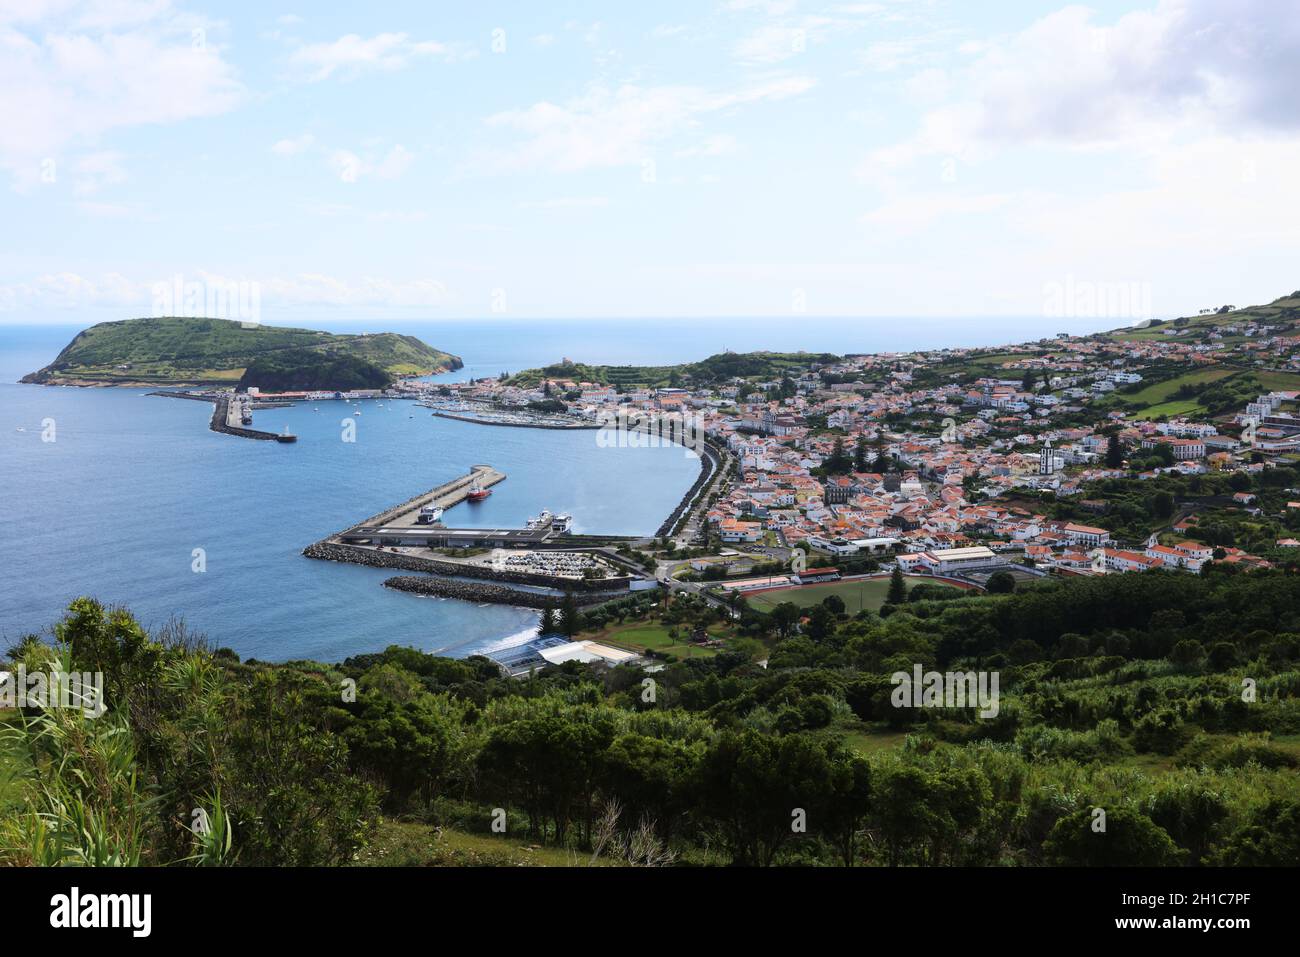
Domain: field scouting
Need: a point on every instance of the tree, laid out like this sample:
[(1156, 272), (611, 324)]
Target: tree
[(838, 461), (569, 619), (1114, 453), (821, 623), (1270, 839), (785, 616), (1001, 583), (897, 594), (548, 623), (1130, 839), (860, 454), (1162, 504)]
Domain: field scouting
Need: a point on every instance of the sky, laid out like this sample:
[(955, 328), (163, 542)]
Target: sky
[(739, 158)]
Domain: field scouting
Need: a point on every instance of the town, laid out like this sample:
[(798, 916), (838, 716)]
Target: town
[(1149, 448)]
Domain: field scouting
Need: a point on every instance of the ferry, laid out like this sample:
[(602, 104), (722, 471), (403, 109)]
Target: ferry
[(556, 523), (477, 493), (429, 514)]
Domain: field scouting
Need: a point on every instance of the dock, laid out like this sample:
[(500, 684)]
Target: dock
[(446, 495), (228, 414)]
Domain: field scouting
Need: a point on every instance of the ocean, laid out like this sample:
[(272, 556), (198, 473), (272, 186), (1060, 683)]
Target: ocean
[(134, 493)]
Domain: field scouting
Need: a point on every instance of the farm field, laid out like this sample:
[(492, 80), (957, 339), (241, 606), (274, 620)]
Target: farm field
[(1158, 398), (1279, 381), (866, 593), (652, 636)]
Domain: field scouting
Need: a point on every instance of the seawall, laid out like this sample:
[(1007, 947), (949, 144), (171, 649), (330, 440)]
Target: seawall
[(477, 591), (357, 555)]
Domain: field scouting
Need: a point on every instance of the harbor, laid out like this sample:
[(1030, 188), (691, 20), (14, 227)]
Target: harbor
[(232, 414), (412, 537)]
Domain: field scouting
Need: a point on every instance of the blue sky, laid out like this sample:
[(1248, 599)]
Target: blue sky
[(739, 158)]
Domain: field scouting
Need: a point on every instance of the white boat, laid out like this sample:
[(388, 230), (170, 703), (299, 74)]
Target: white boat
[(429, 514)]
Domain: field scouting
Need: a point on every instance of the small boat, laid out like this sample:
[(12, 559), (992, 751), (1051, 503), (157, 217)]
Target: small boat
[(477, 493)]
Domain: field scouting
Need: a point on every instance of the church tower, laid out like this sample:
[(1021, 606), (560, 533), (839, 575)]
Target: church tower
[(1046, 461)]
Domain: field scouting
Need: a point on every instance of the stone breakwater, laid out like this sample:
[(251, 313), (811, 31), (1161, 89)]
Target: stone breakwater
[(710, 461), (357, 555), (474, 420), (219, 424), (476, 591)]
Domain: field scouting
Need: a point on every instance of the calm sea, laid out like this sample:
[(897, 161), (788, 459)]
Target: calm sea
[(117, 505)]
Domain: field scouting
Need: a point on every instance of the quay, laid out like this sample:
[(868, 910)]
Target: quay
[(230, 414), (406, 515)]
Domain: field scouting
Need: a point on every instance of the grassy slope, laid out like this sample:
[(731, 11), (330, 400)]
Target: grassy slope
[(408, 844), (218, 350), (643, 635), (713, 370), (1282, 312), (868, 593)]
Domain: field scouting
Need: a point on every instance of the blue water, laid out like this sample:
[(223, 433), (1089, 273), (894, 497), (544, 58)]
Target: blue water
[(115, 506)]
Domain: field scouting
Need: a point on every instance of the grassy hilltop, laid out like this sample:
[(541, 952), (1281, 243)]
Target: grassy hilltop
[(714, 370), (174, 351)]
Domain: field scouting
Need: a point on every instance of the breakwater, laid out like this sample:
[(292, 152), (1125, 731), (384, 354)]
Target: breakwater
[(477, 591), (474, 420), (710, 462), (221, 416), (374, 558), (445, 495), (221, 423)]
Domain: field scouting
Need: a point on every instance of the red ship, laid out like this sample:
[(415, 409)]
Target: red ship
[(477, 493)]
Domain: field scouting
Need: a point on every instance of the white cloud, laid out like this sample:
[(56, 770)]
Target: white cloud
[(620, 127), (292, 146), (771, 44), (71, 81), (69, 290), (353, 54), (917, 212), (94, 171), (351, 167), (568, 202), (1198, 66), (720, 145)]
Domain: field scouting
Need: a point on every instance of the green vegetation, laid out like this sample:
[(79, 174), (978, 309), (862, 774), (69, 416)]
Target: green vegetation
[(219, 351), (867, 593), (1168, 700), (715, 370), (1279, 315), (1169, 397), (302, 370), (1138, 507)]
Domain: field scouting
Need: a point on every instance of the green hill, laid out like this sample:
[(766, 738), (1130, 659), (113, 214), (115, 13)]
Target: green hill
[(1277, 317), (714, 370), (174, 351)]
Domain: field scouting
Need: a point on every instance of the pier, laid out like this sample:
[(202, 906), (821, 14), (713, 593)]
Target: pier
[(406, 515), (395, 539), (228, 414)]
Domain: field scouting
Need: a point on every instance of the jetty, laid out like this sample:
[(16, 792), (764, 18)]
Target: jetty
[(444, 496), (231, 414)]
